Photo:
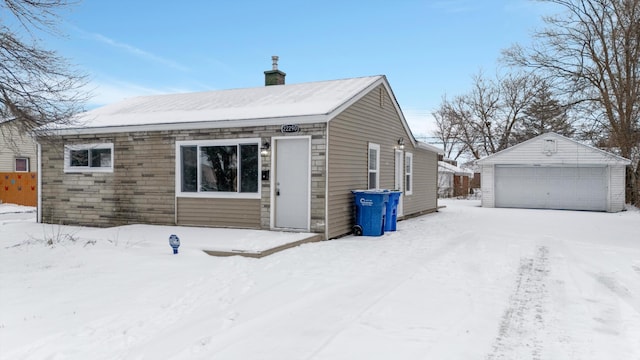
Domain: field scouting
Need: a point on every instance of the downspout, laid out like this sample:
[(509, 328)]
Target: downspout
[(326, 182), (39, 184)]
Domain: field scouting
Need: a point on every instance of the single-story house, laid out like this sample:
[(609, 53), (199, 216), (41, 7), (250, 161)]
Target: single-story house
[(453, 181), (278, 157), (551, 171), (18, 164)]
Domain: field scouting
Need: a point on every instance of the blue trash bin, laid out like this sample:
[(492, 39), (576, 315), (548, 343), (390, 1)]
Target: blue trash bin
[(391, 217), (371, 207)]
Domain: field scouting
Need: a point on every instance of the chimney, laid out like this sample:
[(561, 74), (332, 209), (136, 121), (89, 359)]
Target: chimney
[(274, 76)]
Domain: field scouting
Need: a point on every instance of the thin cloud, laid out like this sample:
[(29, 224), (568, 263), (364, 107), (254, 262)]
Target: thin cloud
[(420, 121), (108, 90), (133, 50), (139, 52)]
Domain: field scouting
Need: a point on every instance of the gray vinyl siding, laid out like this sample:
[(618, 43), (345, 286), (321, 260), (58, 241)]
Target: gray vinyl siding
[(370, 120), (425, 183), (237, 213)]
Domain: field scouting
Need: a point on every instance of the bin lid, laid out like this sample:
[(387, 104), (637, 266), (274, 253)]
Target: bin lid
[(370, 191)]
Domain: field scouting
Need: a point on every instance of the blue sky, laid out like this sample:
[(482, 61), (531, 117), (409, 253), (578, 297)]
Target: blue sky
[(426, 48)]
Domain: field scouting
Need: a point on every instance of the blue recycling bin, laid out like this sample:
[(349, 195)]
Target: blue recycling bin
[(391, 216), (371, 208)]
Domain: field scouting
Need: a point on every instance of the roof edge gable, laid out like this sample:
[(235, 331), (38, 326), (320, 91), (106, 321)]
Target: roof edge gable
[(488, 158)]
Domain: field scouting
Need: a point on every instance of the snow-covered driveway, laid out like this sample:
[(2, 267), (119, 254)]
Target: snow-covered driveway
[(465, 283)]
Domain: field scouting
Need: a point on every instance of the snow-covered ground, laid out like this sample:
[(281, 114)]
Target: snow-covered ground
[(464, 283)]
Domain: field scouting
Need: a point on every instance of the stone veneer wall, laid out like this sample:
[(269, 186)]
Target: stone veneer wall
[(141, 188)]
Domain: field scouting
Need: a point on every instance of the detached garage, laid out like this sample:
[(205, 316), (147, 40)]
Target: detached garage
[(553, 172)]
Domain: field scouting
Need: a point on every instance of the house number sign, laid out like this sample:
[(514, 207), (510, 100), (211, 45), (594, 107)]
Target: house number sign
[(289, 128)]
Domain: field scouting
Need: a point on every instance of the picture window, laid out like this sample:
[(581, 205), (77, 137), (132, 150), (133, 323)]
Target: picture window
[(219, 167)]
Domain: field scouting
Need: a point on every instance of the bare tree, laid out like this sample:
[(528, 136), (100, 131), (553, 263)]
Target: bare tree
[(458, 122), (518, 91), (38, 88), (483, 103), (484, 120), (592, 51), (446, 132)]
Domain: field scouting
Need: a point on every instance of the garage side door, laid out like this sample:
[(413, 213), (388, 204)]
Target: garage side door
[(572, 188)]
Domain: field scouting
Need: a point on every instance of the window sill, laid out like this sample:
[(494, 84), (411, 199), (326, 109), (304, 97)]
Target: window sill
[(88, 170), (219, 195)]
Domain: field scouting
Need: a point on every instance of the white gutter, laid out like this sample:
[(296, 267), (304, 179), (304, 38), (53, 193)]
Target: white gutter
[(219, 124)]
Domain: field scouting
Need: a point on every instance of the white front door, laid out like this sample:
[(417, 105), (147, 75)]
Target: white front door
[(399, 178), (292, 183)]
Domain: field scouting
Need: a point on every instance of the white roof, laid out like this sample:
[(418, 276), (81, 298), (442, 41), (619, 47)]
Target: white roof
[(430, 147), (302, 103), (446, 167)]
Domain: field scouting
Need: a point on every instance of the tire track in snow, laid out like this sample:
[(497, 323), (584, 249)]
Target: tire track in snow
[(416, 255), (524, 317)]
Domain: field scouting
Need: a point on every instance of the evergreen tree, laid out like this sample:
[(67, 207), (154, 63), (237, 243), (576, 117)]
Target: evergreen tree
[(544, 114)]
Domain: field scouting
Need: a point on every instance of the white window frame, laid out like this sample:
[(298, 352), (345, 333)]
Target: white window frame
[(215, 194), (84, 169), (15, 163), (376, 170), (408, 166)]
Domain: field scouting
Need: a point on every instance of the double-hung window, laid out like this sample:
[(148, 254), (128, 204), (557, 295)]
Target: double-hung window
[(218, 168), (408, 163), (374, 166), (88, 158)]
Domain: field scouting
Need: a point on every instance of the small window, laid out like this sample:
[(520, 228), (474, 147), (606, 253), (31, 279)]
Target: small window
[(374, 166), (408, 162), (218, 167), (22, 164), (88, 158)]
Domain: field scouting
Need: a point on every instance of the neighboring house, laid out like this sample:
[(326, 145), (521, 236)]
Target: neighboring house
[(554, 172), (18, 163), (475, 181), (281, 157), (452, 180)]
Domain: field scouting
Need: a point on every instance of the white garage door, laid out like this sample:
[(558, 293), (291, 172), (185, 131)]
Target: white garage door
[(574, 188)]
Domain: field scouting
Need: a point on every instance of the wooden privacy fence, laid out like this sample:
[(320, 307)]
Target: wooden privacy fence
[(19, 188)]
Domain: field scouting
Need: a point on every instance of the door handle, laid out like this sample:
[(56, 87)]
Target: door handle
[(277, 192)]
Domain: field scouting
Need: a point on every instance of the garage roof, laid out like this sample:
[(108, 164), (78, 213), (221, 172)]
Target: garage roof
[(552, 149)]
